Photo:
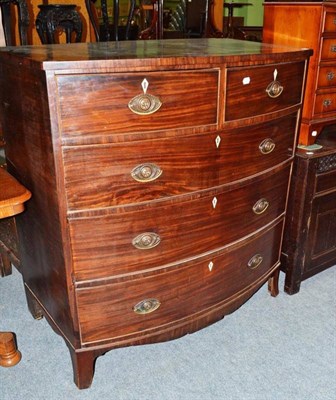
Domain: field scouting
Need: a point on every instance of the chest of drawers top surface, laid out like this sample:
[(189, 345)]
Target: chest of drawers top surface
[(144, 54)]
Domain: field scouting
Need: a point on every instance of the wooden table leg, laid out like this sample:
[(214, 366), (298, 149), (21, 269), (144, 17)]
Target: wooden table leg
[(273, 283), (9, 354)]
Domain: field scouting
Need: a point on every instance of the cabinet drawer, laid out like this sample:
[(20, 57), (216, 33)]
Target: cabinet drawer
[(246, 94), (134, 238), (101, 175), (99, 104), (327, 77), (325, 103), (328, 49), (326, 181), (106, 312), (330, 22)]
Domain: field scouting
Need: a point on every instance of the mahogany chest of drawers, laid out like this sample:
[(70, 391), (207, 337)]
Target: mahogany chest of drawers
[(159, 172), (309, 24)]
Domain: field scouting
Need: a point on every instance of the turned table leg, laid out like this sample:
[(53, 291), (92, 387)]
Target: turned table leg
[(273, 283), (9, 354)]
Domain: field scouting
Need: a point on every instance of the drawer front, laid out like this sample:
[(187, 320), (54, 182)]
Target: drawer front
[(325, 104), (107, 312), (326, 181), (246, 92), (137, 238), (108, 175), (99, 104), (327, 77), (328, 49), (330, 22)]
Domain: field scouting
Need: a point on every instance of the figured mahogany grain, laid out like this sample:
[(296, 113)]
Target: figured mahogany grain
[(188, 163), (194, 227), (63, 106)]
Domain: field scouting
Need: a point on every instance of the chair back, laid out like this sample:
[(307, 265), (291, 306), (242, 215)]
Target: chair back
[(6, 7)]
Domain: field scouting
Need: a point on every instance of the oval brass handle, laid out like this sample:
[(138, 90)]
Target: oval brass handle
[(274, 89), (260, 206), (146, 306), (144, 104), (146, 241), (146, 172), (267, 146), (255, 261)]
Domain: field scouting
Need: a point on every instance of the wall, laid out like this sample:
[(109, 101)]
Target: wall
[(253, 15)]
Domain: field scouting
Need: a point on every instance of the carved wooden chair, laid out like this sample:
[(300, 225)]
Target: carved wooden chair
[(23, 20), (106, 22)]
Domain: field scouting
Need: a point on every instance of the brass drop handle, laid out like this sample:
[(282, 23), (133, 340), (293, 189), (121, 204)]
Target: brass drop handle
[(144, 103), (267, 146), (146, 172), (146, 241), (146, 306), (260, 206), (255, 261), (274, 89)]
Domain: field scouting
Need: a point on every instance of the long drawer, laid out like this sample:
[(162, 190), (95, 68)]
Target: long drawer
[(108, 175), (249, 90), (100, 104), (135, 238), (146, 304)]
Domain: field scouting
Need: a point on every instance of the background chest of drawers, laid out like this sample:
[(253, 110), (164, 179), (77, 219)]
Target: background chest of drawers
[(159, 173), (312, 25)]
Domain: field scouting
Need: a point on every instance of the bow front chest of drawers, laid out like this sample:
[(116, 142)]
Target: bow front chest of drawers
[(159, 173)]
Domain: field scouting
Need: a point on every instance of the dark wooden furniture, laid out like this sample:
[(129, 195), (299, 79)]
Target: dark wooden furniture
[(253, 33), (106, 32), (230, 5), (312, 25), (55, 18), (23, 20), (310, 229), (158, 200), (310, 240), (12, 198)]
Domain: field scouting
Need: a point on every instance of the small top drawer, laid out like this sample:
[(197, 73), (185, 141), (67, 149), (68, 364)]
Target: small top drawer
[(327, 77), (325, 104), (328, 49), (254, 91), (330, 22), (115, 103)]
